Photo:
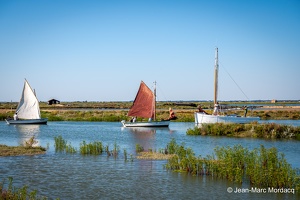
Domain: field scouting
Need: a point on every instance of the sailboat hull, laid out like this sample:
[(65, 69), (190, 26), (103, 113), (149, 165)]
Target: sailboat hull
[(146, 124), (27, 121), (202, 118)]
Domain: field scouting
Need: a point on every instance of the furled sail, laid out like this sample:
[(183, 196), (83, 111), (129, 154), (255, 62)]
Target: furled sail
[(28, 107), (143, 105)]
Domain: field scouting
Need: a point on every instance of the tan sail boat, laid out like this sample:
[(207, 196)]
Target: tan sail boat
[(144, 106)]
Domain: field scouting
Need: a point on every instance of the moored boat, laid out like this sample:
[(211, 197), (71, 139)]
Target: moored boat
[(28, 110), (217, 117), (144, 106)]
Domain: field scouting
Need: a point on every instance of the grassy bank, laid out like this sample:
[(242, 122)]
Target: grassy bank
[(28, 148), (117, 111), (255, 130)]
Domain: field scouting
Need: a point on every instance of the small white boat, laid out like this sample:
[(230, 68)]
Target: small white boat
[(216, 117), (28, 110), (144, 106)]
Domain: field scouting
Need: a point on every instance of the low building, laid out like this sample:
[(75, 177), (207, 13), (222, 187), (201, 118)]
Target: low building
[(53, 101), (273, 101)]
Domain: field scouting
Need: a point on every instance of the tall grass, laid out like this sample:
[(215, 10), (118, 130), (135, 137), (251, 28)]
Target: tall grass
[(62, 145), (59, 143), (261, 167), (12, 192), (92, 148)]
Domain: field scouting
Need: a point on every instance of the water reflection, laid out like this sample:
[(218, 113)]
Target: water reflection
[(25, 132), (143, 136)]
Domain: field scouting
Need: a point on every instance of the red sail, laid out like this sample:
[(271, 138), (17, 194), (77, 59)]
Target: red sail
[(143, 105)]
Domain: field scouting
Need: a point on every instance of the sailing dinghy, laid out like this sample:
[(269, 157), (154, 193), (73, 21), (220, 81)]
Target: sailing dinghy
[(144, 106), (216, 117), (28, 110)]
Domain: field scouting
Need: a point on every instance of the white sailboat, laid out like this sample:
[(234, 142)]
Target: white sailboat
[(28, 110), (216, 117), (144, 106)]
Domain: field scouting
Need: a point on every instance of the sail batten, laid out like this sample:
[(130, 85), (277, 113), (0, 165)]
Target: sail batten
[(28, 107), (143, 105)]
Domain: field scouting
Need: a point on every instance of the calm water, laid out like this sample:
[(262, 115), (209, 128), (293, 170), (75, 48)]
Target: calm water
[(65, 176)]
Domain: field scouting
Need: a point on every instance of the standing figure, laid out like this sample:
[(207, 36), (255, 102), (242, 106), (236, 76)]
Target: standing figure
[(216, 109), (246, 110), (16, 116), (172, 115)]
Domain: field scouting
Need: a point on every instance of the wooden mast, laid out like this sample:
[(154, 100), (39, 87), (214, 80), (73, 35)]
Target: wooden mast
[(216, 77), (154, 115)]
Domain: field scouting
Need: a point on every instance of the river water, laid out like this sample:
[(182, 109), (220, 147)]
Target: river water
[(73, 176)]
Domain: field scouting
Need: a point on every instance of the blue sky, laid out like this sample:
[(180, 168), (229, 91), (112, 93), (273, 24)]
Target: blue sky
[(100, 50)]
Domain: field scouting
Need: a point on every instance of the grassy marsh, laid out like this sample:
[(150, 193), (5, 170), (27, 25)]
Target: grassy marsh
[(117, 111), (261, 167), (255, 130)]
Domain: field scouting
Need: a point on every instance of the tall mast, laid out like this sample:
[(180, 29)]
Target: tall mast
[(216, 77), (154, 101)]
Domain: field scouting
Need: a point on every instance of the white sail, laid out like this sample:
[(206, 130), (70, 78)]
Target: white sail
[(28, 107)]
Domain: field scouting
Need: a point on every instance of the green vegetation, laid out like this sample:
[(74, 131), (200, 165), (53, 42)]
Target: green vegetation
[(139, 148), (13, 193), (261, 167), (92, 148), (117, 111), (27, 149), (256, 130)]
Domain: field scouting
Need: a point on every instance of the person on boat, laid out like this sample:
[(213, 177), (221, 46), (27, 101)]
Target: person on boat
[(216, 109), (201, 110), (16, 116), (246, 111), (172, 115), (133, 119)]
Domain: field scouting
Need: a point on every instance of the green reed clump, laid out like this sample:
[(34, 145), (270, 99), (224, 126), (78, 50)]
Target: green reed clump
[(60, 144), (115, 149), (125, 155), (70, 149), (262, 167), (232, 162), (93, 148), (139, 148), (265, 168), (172, 146), (12, 192)]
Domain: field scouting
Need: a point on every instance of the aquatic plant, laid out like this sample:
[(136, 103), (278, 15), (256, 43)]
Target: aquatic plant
[(261, 167), (125, 155), (93, 148), (59, 143), (139, 148), (12, 192), (70, 149)]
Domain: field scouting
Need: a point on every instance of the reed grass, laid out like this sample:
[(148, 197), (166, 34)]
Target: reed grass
[(139, 148), (92, 148), (14, 193), (256, 130), (261, 167), (59, 144)]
